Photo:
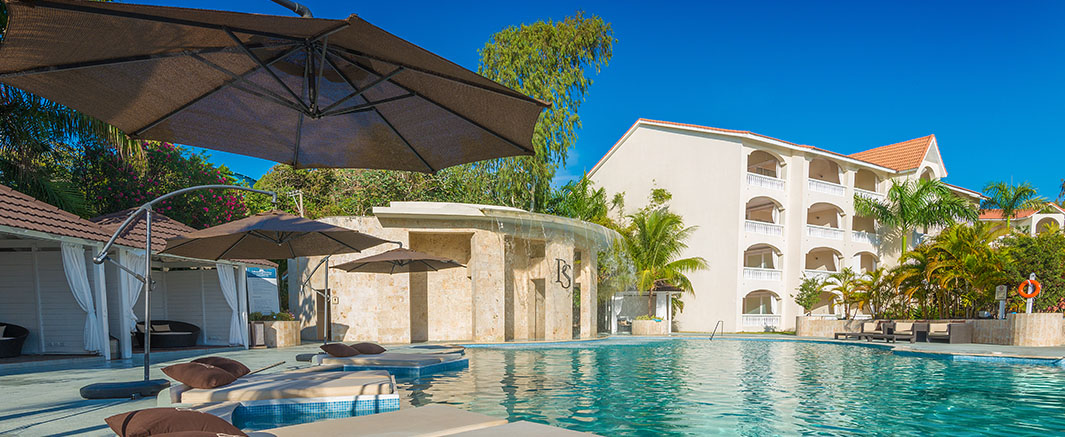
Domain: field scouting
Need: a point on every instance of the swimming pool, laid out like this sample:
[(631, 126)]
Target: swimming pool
[(748, 387)]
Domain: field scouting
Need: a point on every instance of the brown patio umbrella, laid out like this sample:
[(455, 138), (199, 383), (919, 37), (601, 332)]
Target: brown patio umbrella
[(304, 91), (398, 260), (270, 235)]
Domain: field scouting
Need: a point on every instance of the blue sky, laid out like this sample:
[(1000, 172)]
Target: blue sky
[(984, 77)]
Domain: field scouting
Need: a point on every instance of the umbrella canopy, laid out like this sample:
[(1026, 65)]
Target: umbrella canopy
[(304, 91), (398, 261), (270, 235)]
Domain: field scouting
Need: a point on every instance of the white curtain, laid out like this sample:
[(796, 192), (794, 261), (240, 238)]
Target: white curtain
[(135, 262), (78, 279), (227, 279)]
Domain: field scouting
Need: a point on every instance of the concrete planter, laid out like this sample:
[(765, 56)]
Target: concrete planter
[(819, 327), (282, 334), (649, 327)]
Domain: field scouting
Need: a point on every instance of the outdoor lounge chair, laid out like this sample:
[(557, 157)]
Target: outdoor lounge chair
[(316, 383), (169, 334), (950, 332), (868, 328), (903, 331), (12, 339)]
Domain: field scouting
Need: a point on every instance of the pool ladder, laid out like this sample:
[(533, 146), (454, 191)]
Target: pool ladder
[(719, 323)]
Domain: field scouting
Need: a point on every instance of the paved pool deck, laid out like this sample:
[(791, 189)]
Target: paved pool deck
[(43, 399)]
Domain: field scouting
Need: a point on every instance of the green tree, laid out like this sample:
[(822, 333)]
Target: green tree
[(809, 293), (1011, 198), (1042, 254), (580, 200), (846, 283), (914, 204), (111, 183), (655, 241), (550, 61), (879, 289), (966, 268), (35, 143)]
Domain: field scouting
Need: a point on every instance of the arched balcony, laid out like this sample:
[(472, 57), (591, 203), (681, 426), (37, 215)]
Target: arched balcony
[(863, 230), (763, 216), (1045, 224), (762, 262), (823, 221), (765, 170), (761, 311), (866, 261), (825, 177), (822, 261), (867, 184), (928, 174)]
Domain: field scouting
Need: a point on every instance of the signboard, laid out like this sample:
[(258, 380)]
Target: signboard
[(263, 291), (1000, 292), (563, 273)]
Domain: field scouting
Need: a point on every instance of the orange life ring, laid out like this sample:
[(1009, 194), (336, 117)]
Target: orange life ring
[(1024, 285)]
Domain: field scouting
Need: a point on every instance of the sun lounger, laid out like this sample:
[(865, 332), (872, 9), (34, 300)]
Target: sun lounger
[(289, 385), (399, 364), (521, 429), (430, 420), (422, 350)]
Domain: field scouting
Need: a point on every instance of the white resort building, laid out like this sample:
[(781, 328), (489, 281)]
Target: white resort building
[(768, 212)]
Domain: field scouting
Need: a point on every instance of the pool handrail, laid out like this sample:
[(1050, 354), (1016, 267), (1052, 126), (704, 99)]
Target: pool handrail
[(719, 323)]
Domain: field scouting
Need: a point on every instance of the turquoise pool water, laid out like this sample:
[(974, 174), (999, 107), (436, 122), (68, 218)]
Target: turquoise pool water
[(749, 387)]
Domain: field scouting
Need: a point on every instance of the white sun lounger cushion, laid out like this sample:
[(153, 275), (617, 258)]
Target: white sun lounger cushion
[(392, 359), (301, 385), (430, 420)]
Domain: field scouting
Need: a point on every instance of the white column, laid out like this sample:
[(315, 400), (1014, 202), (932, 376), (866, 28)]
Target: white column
[(125, 343), (242, 300), (100, 281)]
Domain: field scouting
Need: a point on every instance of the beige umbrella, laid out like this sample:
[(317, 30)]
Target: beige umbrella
[(398, 260), (304, 91)]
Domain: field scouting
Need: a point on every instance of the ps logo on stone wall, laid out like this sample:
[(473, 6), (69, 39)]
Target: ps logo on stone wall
[(563, 273)]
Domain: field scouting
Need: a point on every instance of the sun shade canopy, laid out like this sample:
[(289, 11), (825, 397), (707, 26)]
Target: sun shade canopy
[(398, 261), (270, 235), (303, 91)]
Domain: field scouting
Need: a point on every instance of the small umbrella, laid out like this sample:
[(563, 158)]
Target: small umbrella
[(398, 261), (270, 235), (304, 91)]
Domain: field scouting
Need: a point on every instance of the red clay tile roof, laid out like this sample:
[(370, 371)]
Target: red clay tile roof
[(906, 155), (996, 214), (22, 211)]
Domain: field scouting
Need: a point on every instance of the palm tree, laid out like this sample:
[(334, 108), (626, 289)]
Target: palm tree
[(655, 241), (1010, 198), (847, 283), (580, 200), (33, 132), (965, 267), (879, 289), (914, 204)]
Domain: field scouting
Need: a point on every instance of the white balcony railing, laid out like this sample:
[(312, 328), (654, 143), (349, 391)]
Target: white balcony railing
[(757, 180), (824, 232), (869, 194), (823, 274), (865, 237), (760, 274), (768, 322), (827, 187), (763, 228)]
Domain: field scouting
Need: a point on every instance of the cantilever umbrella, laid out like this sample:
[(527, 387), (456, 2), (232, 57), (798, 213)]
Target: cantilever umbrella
[(398, 260), (304, 91)]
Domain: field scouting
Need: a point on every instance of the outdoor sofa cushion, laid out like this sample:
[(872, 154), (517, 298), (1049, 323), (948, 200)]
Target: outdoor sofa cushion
[(340, 350), (156, 421), (199, 375), (938, 328), (903, 327), (368, 348), (235, 367)]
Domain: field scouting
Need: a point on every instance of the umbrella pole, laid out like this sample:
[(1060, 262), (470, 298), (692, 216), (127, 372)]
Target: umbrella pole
[(147, 290)]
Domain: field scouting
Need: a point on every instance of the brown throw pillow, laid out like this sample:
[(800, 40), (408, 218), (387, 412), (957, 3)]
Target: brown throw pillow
[(235, 367), (368, 348), (199, 375), (339, 350), (155, 421)]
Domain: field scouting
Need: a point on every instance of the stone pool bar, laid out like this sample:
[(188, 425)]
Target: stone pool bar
[(527, 276)]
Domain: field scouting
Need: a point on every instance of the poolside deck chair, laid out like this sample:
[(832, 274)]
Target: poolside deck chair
[(288, 385), (950, 332), (903, 331), (430, 420)]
